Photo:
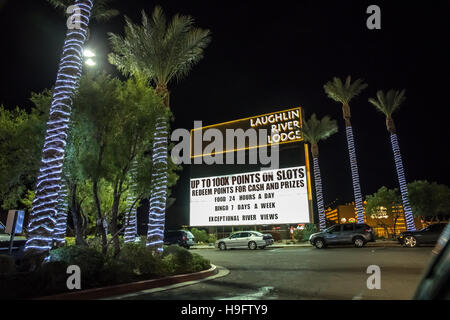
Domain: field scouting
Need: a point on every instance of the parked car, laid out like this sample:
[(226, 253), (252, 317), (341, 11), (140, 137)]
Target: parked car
[(435, 283), (427, 235), (183, 238), (245, 239), (357, 233)]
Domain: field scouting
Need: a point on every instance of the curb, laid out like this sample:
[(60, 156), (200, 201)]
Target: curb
[(378, 244), (121, 289)]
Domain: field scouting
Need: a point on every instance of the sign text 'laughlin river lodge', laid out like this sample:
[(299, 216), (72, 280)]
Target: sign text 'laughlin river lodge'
[(281, 127)]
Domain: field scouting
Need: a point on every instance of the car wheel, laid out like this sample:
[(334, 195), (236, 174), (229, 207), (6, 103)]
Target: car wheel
[(252, 245), (222, 246), (410, 241), (358, 242), (319, 243)]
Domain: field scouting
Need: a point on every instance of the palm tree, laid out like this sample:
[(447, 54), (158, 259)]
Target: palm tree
[(50, 191), (130, 214), (100, 12), (344, 93), (313, 131), (388, 104), (161, 51)]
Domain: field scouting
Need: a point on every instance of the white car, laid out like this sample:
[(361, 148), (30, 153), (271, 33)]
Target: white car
[(245, 239)]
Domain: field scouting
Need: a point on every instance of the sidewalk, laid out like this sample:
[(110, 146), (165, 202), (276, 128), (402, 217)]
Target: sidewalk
[(378, 243)]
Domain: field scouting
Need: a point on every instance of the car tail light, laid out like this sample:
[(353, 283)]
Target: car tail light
[(184, 238)]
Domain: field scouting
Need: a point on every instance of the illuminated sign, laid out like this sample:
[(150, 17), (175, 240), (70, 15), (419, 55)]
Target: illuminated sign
[(281, 127), (277, 196)]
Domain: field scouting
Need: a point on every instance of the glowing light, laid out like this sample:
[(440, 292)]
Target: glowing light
[(44, 210), (402, 181), (355, 175), (158, 198), (90, 62), (88, 53), (319, 194)]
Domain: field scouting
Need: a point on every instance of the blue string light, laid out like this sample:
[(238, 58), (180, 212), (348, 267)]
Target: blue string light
[(355, 175), (319, 194), (130, 218), (48, 186), (59, 233), (158, 198), (402, 181)]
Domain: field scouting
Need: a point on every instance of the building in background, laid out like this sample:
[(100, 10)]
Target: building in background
[(385, 225)]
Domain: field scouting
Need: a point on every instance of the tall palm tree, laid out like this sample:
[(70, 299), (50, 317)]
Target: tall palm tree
[(313, 131), (388, 104), (50, 191), (344, 93), (161, 51), (130, 214), (48, 186), (100, 12)]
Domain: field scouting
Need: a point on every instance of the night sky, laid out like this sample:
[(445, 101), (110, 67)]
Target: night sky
[(276, 55)]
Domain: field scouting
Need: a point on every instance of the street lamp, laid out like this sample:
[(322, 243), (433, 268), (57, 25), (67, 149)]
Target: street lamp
[(89, 54)]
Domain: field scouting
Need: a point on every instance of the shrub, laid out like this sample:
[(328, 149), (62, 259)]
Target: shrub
[(88, 259), (7, 264), (212, 238), (140, 260), (200, 263), (178, 260), (303, 235), (199, 235)]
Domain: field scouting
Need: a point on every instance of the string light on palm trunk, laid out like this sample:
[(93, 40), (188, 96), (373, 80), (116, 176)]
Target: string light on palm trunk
[(355, 175), (48, 186), (402, 181), (59, 234), (319, 194), (158, 199), (130, 219)]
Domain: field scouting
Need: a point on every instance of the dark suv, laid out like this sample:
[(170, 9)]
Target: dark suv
[(357, 233), (183, 238), (427, 235)]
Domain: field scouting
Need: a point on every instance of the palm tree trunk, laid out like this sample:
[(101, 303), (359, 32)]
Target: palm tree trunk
[(59, 234), (42, 217), (158, 198), (355, 174), (402, 181), (319, 194), (130, 218)]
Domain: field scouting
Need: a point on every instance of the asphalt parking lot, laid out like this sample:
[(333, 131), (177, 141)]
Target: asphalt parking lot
[(307, 273)]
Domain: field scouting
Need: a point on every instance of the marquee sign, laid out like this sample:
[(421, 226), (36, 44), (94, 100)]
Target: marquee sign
[(282, 127), (277, 196)]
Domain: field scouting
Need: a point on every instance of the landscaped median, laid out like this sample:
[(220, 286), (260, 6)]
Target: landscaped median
[(72, 268), (117, 290)]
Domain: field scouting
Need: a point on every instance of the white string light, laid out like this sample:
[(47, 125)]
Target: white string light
[(59, 233), (402, 181), (355, 175), (130, 218), (158, 198), (48, 186), (319, 194)]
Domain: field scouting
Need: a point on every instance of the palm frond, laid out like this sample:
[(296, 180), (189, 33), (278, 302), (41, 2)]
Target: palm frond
[(344, 92), (388, 103), (315, 130), (164, 50), (100, 12)]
